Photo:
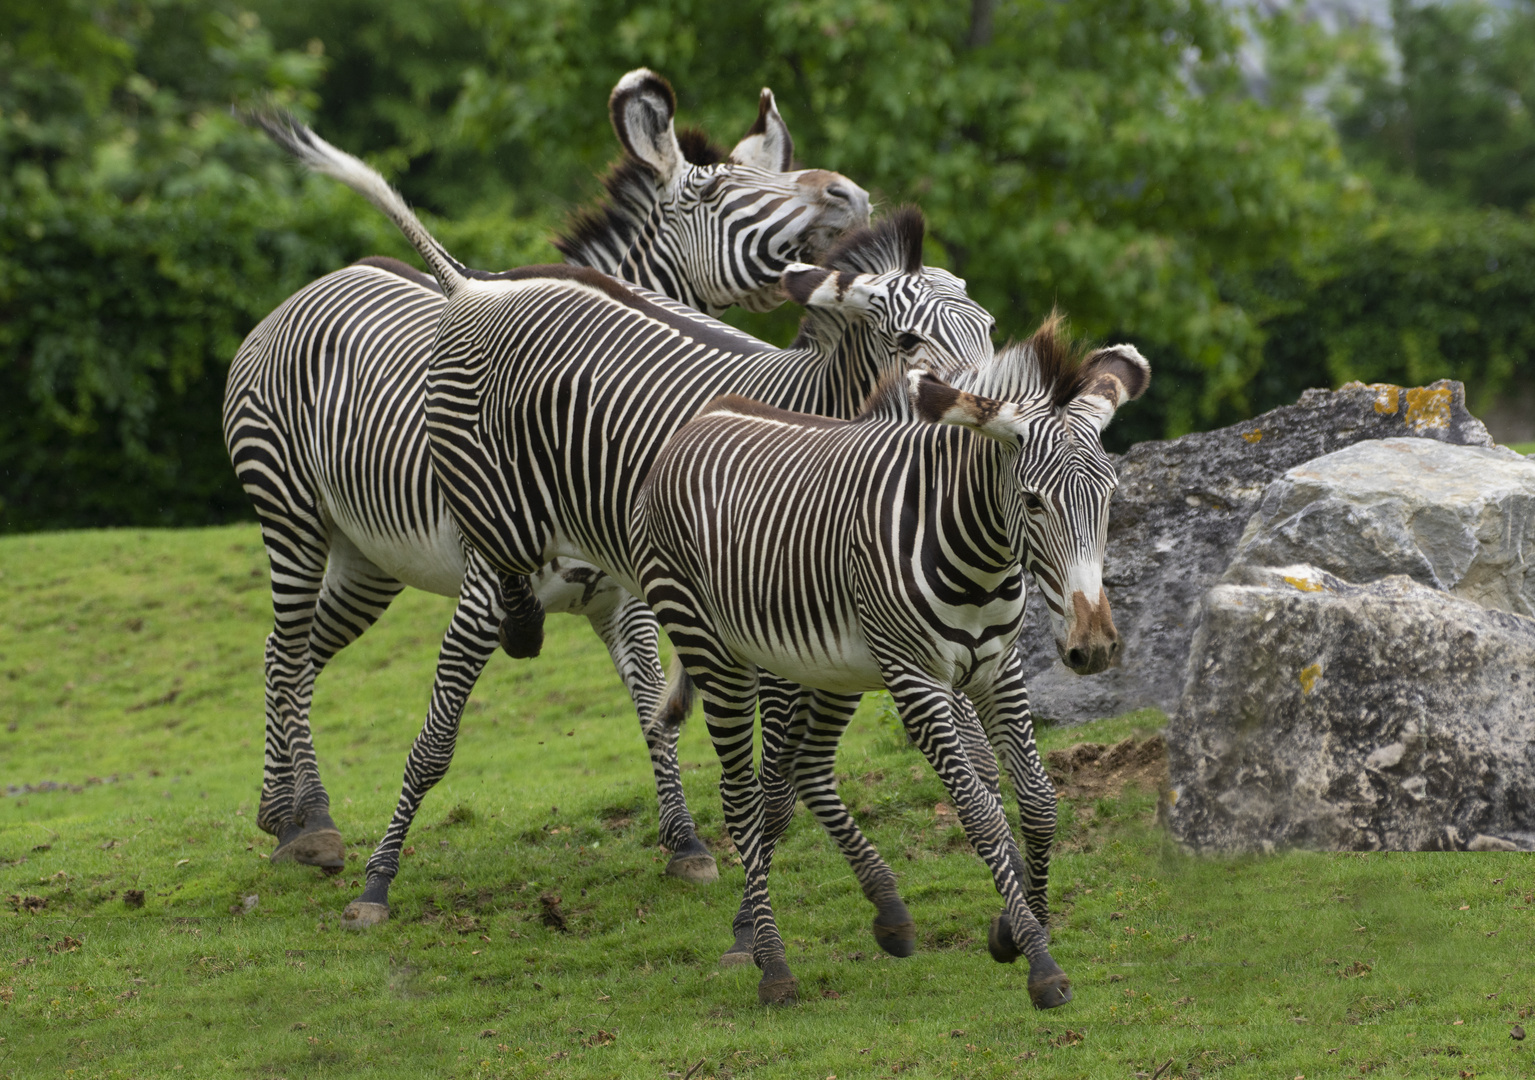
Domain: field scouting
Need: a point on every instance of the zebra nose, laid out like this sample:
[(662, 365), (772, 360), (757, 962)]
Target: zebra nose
[(1076, 657)]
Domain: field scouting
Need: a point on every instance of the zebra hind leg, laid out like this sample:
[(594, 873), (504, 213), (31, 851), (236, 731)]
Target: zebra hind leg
[(468, 644), (354, 594), (926, 710), (630, 633), (729, 693), (782, 706), (815, 779)]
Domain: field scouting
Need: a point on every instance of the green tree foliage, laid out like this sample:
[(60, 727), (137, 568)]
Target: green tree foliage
[(1110, 157)]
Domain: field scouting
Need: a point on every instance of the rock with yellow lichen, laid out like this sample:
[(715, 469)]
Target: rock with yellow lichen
[(1177, 519), (1322, 713)]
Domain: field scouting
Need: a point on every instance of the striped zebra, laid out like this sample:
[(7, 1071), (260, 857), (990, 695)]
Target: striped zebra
[(552, 389), (323, 420), (882, 553)]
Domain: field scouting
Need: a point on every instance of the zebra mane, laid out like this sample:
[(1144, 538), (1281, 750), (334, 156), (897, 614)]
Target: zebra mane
[(591, 236), (1046, 365), (893, 243)]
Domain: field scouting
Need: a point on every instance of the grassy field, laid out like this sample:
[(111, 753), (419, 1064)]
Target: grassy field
[(130, 744)]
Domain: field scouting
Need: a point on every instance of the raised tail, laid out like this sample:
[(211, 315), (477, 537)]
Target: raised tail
[(320, 156), (674, 707)]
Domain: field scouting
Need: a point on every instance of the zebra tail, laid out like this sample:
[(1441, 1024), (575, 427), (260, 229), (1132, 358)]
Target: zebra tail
[(321, 157), (673, 708)]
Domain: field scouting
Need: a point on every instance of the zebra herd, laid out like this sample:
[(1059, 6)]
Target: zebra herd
[(854, 512)]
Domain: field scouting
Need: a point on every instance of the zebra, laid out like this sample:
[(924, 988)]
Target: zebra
[(876, 553), (543, 403), (323, 421)]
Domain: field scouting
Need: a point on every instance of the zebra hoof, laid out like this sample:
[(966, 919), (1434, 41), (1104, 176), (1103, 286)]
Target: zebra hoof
[(322, 847), (1049, 988), (778, 985), (999, 942), (699, 869), (894, 930), (360, 914), (740, 953)]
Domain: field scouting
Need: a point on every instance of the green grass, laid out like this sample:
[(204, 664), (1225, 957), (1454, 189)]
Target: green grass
[(1523, 448), (130, 673)]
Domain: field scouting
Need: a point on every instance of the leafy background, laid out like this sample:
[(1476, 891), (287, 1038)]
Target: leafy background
[(1361, 205)]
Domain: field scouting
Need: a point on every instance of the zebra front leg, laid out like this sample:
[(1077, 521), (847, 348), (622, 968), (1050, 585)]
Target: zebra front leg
[(1011, 732), (470, 640), (782, 706), (926, 711), (814, 774)]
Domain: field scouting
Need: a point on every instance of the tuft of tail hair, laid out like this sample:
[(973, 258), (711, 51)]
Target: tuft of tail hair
[(321, 157), (677, 703)]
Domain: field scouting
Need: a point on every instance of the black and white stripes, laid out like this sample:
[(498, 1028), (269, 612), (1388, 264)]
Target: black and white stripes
[(889, 552), (323, 419)]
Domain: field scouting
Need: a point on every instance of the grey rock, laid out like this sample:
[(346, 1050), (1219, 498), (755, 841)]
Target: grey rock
[(1324, 714), (1175, 522), (1456, 518)]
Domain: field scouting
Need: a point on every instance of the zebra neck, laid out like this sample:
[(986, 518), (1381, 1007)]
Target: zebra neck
[(977, 511)]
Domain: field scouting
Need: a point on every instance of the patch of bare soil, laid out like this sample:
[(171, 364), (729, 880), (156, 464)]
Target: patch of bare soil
[(1095, 771)]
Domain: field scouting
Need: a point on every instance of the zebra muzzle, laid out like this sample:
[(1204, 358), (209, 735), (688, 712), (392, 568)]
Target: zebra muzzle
[(1092, 642)]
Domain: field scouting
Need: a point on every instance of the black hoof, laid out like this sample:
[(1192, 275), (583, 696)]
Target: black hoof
[(1049, 988), (521, 639), (739, 954), (316, 843), (692, 862), (894, 930), (999, 941), (778, 985)]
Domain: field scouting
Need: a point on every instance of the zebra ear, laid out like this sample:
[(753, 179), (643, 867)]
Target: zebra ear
[(1109, 378), (823, 289), (643, 107), (936, 402), (768, 145)]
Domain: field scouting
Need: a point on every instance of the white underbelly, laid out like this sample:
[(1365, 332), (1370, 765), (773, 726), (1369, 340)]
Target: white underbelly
[(842, 667), (432, 561)]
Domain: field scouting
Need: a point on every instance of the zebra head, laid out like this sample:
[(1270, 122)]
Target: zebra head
[(705, 227), (1047, 409), (874, 301)]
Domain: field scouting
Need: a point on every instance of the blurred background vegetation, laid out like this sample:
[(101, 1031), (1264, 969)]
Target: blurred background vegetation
[(1264, 198)]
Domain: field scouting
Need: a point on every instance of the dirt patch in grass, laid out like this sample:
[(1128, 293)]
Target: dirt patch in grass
[(1091, 770)]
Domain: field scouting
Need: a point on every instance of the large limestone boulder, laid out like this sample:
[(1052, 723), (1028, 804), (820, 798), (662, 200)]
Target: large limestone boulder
[(1176, 520), (1456, 518), (1323, 714)]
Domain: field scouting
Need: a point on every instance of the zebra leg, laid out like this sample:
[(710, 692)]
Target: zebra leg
[(783, 723), (629, 630), (729, 695), (354, 594), (470, 640), (1011, 731), (928, 715), (977, 747), (815, 780)]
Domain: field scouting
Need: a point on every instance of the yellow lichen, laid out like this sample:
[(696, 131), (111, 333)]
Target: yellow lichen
[(1428, 409), (1308, 677), (1387, 397), (1303, 584), (1253, 436)]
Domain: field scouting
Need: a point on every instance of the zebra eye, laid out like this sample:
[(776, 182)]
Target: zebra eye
[(907, 342), (1032, 501)]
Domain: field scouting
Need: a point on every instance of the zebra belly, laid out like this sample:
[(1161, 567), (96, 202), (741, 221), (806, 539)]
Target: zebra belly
[(429, 557)]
